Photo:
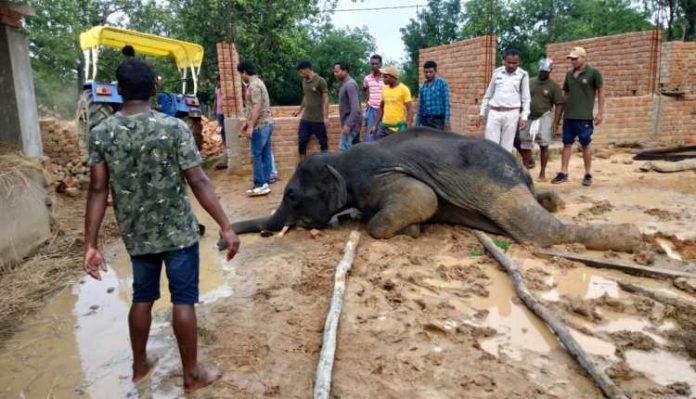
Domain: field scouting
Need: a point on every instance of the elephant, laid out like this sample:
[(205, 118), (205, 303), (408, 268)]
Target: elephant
[(422, 175)]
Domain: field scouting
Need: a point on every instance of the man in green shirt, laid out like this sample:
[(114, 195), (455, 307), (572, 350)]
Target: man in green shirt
[(147, 158), (545, 94), (582, 84), (314, 108)]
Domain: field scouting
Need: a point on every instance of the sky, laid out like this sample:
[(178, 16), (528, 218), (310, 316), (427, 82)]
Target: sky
[(383, 25)]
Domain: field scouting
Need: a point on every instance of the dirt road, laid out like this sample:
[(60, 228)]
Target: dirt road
[(432, 317)]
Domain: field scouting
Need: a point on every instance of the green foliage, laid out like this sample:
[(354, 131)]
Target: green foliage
[(476, 253), (275, 34), (502, 244), (528, 25), (331, 45), (437, 24)]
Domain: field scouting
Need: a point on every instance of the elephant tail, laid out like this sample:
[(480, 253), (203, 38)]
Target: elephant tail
[(550, 200)]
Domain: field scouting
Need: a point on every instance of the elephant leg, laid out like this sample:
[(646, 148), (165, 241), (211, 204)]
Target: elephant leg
[(519, 214), (403, 204)]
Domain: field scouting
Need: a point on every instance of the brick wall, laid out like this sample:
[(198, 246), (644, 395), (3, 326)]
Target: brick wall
[(627, 61), (677, 71), (284, 143), (626, 119), (467, 66), (677, 118)]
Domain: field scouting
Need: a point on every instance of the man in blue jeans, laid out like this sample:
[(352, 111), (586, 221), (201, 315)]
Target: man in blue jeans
[(582, 84), (348, 107), (147, 158), (258, 127)]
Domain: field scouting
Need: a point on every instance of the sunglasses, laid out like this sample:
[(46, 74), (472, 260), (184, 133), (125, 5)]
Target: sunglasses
[(572, 58), (374, 63)]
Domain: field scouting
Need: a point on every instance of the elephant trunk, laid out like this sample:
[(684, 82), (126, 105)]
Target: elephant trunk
[(275, 222)]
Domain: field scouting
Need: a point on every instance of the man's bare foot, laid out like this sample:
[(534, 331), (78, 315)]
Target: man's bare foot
[(542, 176), (141, 372), (205, 375)]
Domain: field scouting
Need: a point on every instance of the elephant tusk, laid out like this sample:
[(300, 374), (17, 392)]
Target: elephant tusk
[(284, 230)]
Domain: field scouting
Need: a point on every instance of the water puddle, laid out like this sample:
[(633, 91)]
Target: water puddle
[(662, 367), (78, 346), (669, 249), (651, 210), (582, 283)]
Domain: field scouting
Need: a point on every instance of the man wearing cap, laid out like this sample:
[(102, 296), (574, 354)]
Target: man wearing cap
[(396, 111), (582, 84), (545, 94), (506, 102)]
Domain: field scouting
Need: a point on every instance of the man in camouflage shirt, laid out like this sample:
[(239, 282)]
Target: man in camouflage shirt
[(147, 158)]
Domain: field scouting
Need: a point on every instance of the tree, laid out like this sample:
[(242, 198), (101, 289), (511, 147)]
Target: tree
[(436, 24), (352, 45), (529, 25)]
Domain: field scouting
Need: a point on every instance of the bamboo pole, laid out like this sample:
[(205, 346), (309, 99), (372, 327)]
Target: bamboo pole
[(322, 384), (625, 267), (605, 384), (665, 297)]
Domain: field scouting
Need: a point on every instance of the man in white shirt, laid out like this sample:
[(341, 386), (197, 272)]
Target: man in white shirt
[(505, 106)]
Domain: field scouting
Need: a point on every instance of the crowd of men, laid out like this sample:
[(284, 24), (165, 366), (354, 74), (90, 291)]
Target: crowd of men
[(517, 110)]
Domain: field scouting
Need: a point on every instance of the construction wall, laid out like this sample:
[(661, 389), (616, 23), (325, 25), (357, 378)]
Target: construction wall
[(637, 68), (467, 66), (628, 62), (677, 67), (649, 86)]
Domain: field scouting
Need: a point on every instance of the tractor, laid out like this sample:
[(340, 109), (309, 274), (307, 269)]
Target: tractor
[(101, 99)]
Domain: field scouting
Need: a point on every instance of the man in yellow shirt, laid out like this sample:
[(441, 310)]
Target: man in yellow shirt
[(396, 111)]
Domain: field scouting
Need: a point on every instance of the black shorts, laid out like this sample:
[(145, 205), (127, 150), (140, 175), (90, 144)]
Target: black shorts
[(318, 129)]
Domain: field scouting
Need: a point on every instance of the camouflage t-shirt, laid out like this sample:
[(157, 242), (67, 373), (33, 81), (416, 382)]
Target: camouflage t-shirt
[(256, 93), (146, 154)]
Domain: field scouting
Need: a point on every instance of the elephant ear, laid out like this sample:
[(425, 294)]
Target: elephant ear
[(338, 194)]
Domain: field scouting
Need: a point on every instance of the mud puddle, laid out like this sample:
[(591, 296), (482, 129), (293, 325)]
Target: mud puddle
[(653, 211), (523, 339), (78, 346)]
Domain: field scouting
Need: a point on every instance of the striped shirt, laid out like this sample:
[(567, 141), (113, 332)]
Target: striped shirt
[(374, 84), (433, 100)]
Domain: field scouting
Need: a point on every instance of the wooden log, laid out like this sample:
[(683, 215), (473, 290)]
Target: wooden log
[(665, 297), (670, 167), (626, 267), (605, 384), (322, 384)]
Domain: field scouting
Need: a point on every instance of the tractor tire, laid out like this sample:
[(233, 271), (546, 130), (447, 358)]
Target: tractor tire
[(89, 115), (196, 126)]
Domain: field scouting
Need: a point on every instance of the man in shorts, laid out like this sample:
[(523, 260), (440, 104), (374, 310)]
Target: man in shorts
[(546, 95), (582, 84), (147, 158)]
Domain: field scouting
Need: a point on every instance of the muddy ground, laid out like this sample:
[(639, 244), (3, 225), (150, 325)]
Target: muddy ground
[(433, 317)]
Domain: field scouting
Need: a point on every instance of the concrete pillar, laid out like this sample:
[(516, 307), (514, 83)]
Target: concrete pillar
[(234, 146), (18, 111)]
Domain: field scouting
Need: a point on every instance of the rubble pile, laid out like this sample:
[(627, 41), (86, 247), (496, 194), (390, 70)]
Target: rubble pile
[(212, 140), (64, 158)]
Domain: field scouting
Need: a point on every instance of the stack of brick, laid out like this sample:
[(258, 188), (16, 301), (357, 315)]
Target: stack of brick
[(677, 73), (230, 82), (212, 139), (64, 158), (467, 66)]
